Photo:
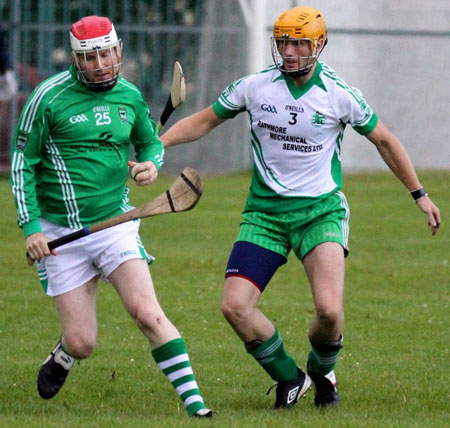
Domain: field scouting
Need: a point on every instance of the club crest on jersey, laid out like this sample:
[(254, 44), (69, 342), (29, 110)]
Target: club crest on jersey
[(318, 119), (364, 106), (269, 108), (21, 142), (229, 89), (123, 114)]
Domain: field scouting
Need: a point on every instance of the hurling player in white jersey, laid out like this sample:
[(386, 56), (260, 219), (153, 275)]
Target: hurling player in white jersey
[(298, 110)]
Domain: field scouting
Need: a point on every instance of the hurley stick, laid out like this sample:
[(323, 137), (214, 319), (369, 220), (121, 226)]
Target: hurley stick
[(177, 95), (182, 195)]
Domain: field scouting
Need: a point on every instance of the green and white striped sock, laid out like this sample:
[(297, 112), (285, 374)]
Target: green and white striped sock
[(173, 359), (322, 358), (273, 358)]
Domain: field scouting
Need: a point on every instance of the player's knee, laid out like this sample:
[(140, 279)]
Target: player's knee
[(149, 320), (330, 315), (80, 346), (235, 310)]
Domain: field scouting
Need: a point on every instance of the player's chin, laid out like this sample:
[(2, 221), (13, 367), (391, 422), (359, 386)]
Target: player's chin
[(292, 68), (291, 65), (102, 78)]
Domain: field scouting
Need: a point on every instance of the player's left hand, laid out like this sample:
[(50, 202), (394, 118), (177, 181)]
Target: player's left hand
[(143, 173), (433, 213)]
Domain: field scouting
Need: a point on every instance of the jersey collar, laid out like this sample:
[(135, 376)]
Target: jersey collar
[(297, 92), (73, 71)]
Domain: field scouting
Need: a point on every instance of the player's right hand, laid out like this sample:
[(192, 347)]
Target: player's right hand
[(37, 246)]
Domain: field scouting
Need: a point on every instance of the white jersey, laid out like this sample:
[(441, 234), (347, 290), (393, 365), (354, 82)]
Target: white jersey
[(296, 133)]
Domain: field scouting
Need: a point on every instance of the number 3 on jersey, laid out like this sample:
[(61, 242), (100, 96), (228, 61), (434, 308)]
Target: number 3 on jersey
[(293, 121), (102, 118)]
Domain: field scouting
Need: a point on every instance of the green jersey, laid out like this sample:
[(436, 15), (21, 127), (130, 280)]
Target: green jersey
[(71, 148)]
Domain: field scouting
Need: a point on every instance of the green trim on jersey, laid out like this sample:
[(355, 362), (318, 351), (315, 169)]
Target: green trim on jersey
[(296, 91), (263, 198), (259, 153), (230, 106), (223, 112), (336, 165), (70, 151), (368, 127), (369, 122), (231, 110), (336, 170)]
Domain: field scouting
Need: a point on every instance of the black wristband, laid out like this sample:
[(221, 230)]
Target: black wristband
[(419, 193)]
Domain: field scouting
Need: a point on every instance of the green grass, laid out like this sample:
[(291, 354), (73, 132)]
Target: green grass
[(393, 370)]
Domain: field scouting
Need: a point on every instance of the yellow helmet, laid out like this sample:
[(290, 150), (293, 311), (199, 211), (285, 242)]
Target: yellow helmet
[(301, 23)]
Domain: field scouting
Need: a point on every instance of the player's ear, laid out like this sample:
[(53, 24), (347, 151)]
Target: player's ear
[(322, 42)]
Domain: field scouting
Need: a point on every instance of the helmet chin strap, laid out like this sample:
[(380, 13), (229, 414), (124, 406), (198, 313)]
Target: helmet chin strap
[(298, 73), (101, 86)]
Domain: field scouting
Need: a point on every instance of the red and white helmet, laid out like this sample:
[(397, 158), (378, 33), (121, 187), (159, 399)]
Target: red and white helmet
[(96, 34)]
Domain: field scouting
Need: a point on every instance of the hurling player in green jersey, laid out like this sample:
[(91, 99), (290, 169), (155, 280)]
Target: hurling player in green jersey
[(298, 109), (69, 169)]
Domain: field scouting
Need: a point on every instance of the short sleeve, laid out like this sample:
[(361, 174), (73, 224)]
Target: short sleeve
[(352, 108), (231, 101)]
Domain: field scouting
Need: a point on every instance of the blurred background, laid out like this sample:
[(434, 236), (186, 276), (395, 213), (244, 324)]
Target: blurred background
[(396, 53)]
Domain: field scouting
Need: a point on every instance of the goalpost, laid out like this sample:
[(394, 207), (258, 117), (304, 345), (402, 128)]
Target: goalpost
[(254, 12), (259, 16)]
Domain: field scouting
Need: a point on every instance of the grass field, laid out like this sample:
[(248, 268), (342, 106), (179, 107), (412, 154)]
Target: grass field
[(393, 370)]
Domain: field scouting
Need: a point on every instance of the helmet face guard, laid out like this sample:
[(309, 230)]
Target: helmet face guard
[(109, 67), (304, 29), (304, 63), (96, 52)]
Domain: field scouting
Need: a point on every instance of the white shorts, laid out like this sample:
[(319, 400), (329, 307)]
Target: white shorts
[(81, 260)]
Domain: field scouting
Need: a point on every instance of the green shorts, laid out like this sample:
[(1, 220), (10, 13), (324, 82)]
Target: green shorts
[(300, 230)]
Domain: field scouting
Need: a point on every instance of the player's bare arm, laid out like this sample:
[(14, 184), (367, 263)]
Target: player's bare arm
[(397, 159), (191, 128)]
